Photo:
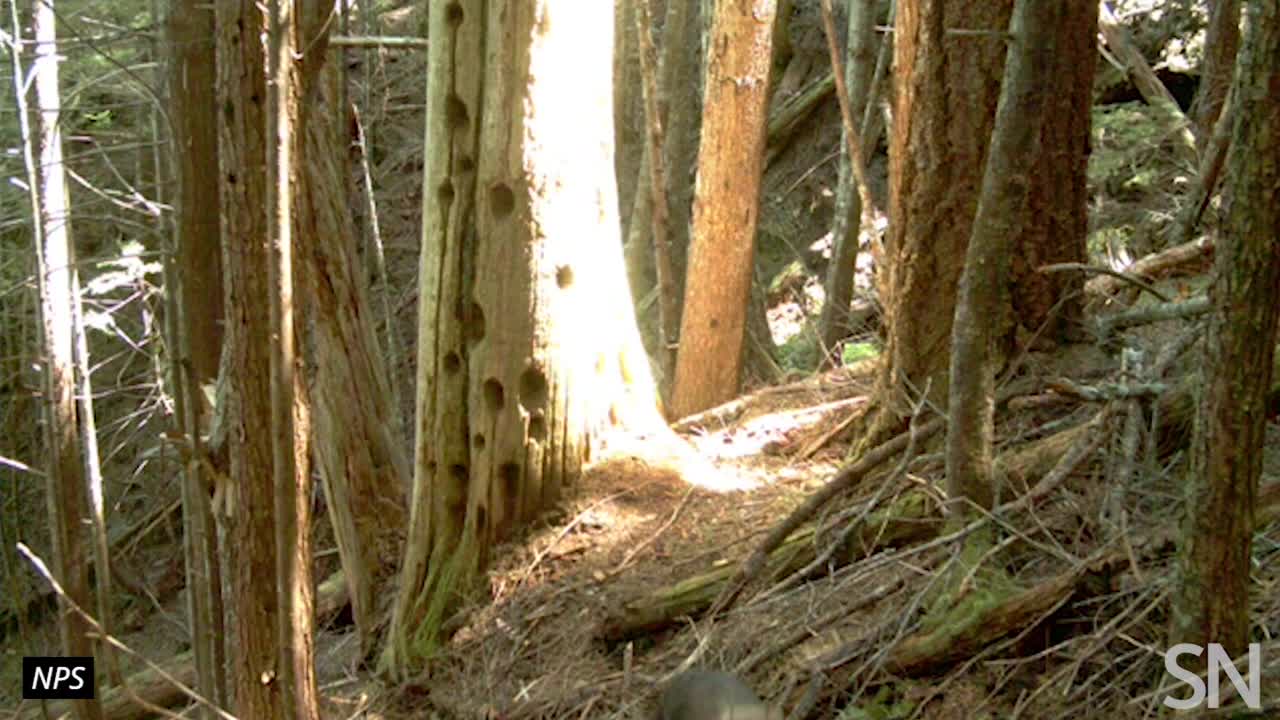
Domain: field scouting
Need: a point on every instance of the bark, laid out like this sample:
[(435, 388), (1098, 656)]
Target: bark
[(846, 225), (1050, 305), (680, 101), (948, 87), (195, 137), (153, 688), (527, 340), (362, 465), (668, 321), (680, 91), (196, 314), (287, 52), (726, 206), (1212, 602), (981, 308), (59, 289), (1221, 43), (242, 149)]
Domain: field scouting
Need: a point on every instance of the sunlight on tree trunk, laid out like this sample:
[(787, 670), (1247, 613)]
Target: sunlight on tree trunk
[(726, 207), (527, 344), (286, 30), (59, 291)]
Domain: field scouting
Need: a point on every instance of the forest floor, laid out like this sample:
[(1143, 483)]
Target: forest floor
[(1090, 560)]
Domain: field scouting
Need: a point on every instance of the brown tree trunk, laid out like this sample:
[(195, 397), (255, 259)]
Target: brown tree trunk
[(726, 206), (191, 88), (59, 288), (846, 224), (527, 340), (680, 88), (197, 336), (948, 87), (364, 469), (1221, 43), (1212, 601), (981, 311), (1057, 224), (681, 102), (242, 149), (295, 41)]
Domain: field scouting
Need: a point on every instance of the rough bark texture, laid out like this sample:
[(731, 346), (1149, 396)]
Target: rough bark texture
[(198, 338), (59, 286), (527, 340), (726, 206), (195, 133), (364, 469), (981, 307), (296, 44), (948, 86), (1056, 226), (1212, 604), (242, 143), (1221, 43)]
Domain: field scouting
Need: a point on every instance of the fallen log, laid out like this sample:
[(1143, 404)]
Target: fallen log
[(907, 524), (928, 652)]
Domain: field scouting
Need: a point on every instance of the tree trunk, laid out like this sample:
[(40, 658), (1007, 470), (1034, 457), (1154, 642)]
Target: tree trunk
[(1056, 225), (59, 289), (680, 88), (294, 41), (681, 102), (628, 113), (726, 206), (1212, 601), (197, 321), (527, 340), (242, 149), (846, 224), (363, 467), (981, 310), (1221, 42), (948, 87), (191, 93)]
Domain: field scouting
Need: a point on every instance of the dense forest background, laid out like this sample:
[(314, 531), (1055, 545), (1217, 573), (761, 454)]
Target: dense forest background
[(558, 551)]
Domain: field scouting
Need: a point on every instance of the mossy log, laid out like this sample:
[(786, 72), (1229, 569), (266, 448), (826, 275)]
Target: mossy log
[(902, 525), (931, 651)]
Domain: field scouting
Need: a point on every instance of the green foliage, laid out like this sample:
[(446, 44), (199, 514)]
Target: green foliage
[(1124, 137), (884, 706), (855, 352), (801, 352)]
